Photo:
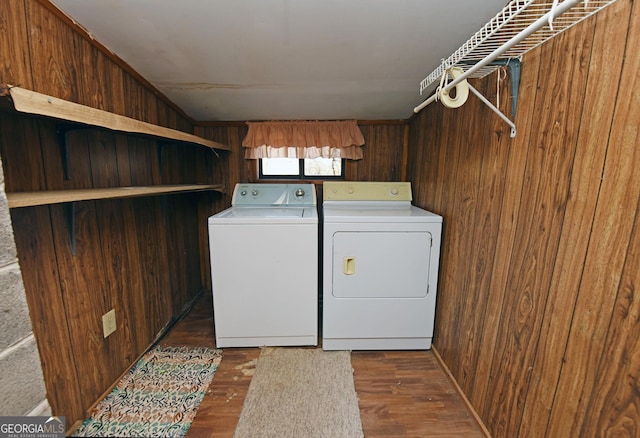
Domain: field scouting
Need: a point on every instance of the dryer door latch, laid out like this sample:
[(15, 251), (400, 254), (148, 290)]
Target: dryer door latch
[(349, 265)]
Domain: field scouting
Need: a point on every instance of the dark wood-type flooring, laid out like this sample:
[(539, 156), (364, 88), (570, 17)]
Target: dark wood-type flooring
[(401, 393)]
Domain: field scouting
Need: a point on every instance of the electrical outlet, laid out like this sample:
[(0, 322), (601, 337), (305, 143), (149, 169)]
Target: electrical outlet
[(109, 322)]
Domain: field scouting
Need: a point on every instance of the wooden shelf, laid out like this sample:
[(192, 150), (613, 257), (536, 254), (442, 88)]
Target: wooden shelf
[(31, 199), (31, 102)]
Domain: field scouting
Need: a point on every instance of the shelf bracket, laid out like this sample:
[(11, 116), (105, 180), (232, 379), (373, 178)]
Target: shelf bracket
[(70, 216), (514, 75), (63, 141), (494, 109), (62, 132), (163, 200), (515, 66), (161, 146)]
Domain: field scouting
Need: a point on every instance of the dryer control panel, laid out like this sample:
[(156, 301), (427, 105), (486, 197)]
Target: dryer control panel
[(366, 191)]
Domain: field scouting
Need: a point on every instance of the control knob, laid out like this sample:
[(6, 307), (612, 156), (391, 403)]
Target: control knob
[(254, 192), (299, 193)]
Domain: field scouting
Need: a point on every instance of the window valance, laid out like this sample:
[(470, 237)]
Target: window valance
[(302, 139)]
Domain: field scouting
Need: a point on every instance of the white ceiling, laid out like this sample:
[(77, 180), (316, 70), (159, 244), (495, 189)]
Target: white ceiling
[(285, 59)]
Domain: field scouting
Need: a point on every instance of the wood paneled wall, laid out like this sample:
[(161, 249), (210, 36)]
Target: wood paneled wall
[(145, 257), (537, 313), (538, 306), (140, 256), (383, 151)]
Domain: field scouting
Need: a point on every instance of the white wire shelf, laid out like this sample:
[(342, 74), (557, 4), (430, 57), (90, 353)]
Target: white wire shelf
[(516, 17)]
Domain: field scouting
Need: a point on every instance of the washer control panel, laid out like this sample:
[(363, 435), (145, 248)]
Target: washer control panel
[(282, 195), (366, 191)]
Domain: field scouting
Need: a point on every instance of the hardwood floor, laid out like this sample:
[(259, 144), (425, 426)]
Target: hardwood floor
[(401, 393)]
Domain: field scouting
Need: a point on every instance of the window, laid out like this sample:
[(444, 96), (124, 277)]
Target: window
[(305, 168)]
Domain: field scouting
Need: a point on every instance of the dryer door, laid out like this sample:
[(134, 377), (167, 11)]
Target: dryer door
[(381, 264)]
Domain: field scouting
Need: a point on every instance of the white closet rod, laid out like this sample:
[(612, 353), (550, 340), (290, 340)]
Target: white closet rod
[(531, 29)]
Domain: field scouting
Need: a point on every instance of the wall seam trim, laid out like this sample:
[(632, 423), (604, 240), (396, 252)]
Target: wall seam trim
[(9, 267), (463, 396), (30, 338), (41, 409)]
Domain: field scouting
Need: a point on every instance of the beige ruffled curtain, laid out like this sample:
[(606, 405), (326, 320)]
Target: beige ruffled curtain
[(328, 139)]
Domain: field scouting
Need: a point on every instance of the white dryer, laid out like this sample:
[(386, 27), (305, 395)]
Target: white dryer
[(380, 267), (264, 267)]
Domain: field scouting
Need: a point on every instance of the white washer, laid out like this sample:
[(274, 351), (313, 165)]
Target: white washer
[(264, 267), (380, 267)]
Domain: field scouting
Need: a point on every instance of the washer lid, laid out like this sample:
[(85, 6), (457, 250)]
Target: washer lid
[(265, 215), (262, 212)]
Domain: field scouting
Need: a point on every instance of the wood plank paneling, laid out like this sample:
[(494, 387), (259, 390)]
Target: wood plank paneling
[(424, 162), (22, 163), (507, 212), (122, 347), (139, 256), (607, 253), (82, 280), (538, 232), (464, 212), (34, 241), (152, 247), (604, 67), (15, 65), (614, 397), (613, 401), (488, 193), (382, 154), (104, 82), (536, 315), (182, 239), (51, 52), (136, 288), (445, 172)]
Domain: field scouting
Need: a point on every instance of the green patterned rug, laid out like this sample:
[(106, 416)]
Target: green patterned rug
[(159, 397)]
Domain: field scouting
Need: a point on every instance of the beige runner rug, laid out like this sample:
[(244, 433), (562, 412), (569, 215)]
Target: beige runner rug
[(299, 392)]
